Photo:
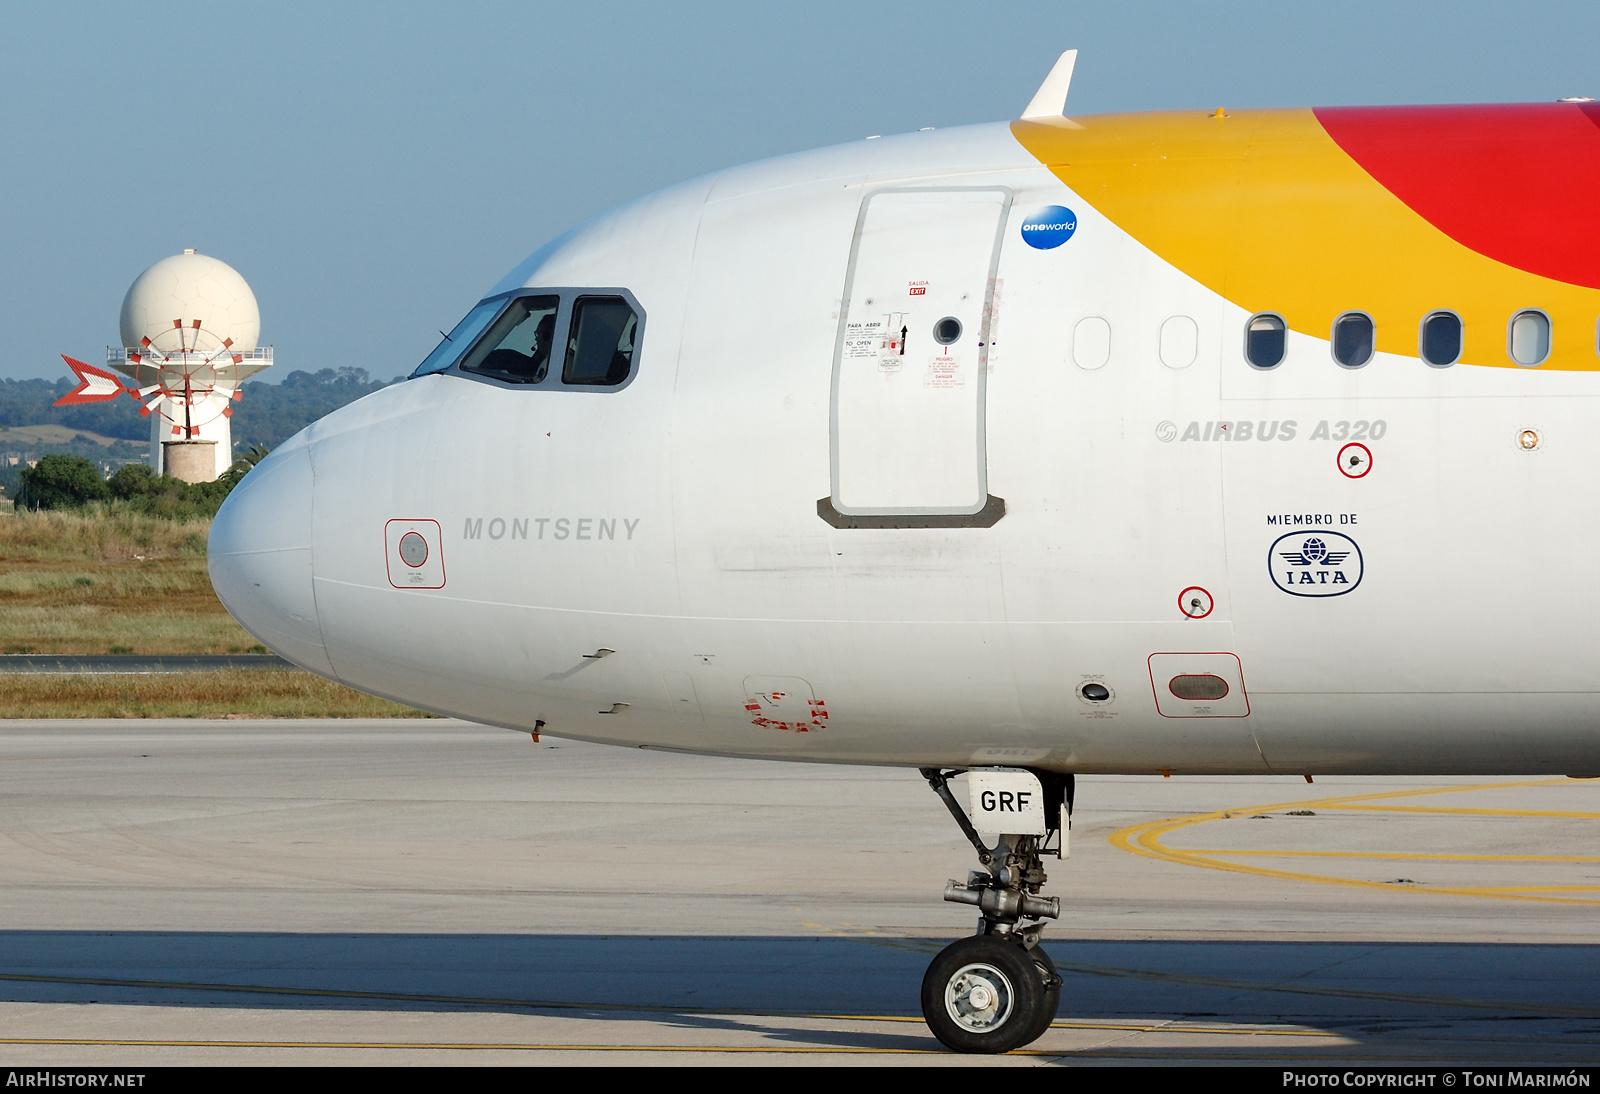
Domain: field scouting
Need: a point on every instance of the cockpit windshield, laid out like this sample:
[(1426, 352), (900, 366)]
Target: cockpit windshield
[(459, 338), (517, 347)]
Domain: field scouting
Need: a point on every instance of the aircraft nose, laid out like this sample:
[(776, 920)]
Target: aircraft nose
[(259, 556)]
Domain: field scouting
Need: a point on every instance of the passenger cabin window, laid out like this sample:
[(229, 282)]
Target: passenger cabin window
[(1528, 338), (1352, 339), (1180, 342), (517, 347), (1091, 342), (1266, 339), (600, 349), (1441, 339)]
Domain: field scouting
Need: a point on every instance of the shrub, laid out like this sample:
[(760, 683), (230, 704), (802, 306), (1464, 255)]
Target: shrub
[(141, 490), (71, 482), (133, 480), (61, 482)]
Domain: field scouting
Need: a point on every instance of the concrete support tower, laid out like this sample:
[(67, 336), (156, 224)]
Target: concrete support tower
[(190, 328)]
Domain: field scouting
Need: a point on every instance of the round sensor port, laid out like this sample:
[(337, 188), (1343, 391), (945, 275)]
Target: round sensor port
[(947, 330)]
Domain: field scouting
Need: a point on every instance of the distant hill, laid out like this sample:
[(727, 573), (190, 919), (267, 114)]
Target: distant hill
[(268, 414)]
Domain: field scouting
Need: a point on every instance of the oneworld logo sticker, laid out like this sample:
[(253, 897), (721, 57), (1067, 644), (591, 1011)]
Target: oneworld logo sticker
[(1049, 227), (1319, 563)]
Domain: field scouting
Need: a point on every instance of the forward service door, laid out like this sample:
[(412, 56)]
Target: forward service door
[(909, 366)]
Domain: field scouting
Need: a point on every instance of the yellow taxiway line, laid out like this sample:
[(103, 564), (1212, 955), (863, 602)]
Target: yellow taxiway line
[(1146, 840), (1419, 856)]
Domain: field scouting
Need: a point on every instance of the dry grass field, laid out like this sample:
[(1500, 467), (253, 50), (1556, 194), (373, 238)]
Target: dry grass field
[(24, 436), (96, 582), (235, 693), (100, 582)]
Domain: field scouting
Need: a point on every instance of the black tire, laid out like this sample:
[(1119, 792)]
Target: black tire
[(1051, 1004), (984, 994)]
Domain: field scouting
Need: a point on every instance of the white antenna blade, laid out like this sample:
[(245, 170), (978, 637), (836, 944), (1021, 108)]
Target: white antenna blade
[(1050, 101)]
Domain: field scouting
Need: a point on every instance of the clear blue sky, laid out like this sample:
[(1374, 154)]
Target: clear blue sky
[(371, 169)]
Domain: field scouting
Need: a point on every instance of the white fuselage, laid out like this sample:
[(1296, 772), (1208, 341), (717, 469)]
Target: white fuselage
[(677, 520)]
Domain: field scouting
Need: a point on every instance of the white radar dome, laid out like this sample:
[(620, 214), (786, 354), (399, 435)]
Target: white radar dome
[(179, 290)]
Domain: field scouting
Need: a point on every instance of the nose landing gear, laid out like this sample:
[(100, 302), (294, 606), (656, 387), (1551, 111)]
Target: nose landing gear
[(998, 990)]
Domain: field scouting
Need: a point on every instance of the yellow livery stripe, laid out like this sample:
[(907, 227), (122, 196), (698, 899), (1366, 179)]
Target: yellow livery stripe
[(1263, 208)]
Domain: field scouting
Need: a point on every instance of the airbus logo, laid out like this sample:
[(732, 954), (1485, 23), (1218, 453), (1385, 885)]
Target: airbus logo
[(1320, 563)]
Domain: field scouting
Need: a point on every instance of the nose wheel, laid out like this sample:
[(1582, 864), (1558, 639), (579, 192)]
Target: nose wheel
[(998, 990), (988, 994)]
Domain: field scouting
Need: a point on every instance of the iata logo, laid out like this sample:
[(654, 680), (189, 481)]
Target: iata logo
[(1320, 563)]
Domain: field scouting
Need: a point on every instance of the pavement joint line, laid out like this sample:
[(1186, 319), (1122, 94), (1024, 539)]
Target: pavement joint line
[(1146, 840), (911, 945), (449, 1046), (1200, 1031), (1174, 1054), (454, 1000), (1183, 1054)]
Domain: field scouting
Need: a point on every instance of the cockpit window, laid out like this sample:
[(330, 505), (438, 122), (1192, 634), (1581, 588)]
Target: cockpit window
[(517, 347), (518, 338), (459, 338), (600, 350)]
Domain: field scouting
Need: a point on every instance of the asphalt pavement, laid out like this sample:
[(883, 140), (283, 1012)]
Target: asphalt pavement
[(257, 891)]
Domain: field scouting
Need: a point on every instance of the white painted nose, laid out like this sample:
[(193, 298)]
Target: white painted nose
[(260, 559)]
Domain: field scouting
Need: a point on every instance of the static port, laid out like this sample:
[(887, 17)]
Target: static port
[(1095, 693)]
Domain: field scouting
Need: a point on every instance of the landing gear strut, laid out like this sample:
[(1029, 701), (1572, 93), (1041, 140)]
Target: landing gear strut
[(998, 990)]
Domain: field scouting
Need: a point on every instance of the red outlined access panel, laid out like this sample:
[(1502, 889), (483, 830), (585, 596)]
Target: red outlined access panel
[(1201, 676), (414, 553)]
